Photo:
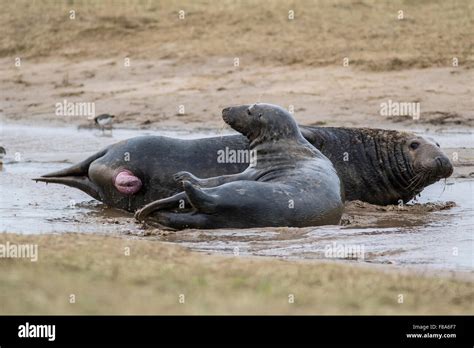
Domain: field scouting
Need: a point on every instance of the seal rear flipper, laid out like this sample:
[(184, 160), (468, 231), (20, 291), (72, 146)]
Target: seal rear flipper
[(199, 199), (165, 203), (80, 182), (78, 169), (76, 176), (180, 221)]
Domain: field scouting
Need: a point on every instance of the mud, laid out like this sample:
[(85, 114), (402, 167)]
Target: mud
[(432, 232), (438, 118)]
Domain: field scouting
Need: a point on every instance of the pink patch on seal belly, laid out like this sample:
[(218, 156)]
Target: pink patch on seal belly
[(127, 183)]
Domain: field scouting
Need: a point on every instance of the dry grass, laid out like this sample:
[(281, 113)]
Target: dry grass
[(322, 33), (150, 280)]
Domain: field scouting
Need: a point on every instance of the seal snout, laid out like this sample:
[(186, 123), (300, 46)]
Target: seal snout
[(127, 183), (228, 113), (444, 166), (226, 110)]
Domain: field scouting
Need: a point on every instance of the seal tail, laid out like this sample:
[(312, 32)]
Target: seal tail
[(75, 176)]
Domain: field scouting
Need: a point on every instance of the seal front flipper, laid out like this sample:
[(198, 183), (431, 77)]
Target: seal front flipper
[(210, 182), (199, 199), (76, 176), (185, 176)]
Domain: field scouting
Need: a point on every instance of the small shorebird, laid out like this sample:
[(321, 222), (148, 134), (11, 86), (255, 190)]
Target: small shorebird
[(2, 154), (104, 121)]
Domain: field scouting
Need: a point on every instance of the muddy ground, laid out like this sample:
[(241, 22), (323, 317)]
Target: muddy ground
[(158, 73)]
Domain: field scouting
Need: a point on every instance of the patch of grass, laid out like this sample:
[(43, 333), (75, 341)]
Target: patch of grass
[(151, 279), (322, 32)]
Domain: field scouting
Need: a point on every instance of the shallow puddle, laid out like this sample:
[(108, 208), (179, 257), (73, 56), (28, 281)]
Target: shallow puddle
[(438, 237)]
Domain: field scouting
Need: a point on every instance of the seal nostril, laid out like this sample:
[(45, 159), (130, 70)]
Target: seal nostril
[(443, 161), (444, 165)]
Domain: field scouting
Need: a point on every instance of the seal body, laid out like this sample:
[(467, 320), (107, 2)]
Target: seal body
[(131, 173), (291, 184), (382, 166), (375, 165)]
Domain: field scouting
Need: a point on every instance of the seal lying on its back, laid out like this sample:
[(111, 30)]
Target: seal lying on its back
[(291, 184), (375, 165)]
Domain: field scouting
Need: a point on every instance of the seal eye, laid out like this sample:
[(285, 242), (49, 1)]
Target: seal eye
[(437, 145), (260, 115), (414, 145), (248, 112)]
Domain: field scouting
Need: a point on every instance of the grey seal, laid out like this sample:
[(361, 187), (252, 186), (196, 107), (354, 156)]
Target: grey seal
[(291, 183), (377, 166)]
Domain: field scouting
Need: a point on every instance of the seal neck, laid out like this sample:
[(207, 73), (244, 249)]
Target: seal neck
[(287, 150)]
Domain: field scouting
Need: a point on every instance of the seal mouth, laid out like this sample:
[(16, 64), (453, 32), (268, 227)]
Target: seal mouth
[(127, 183)]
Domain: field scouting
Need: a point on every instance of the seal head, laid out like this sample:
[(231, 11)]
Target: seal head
[(264, 122), (430, 164)]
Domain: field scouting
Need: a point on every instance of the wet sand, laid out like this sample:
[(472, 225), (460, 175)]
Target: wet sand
[(192, 95), (431, 233)]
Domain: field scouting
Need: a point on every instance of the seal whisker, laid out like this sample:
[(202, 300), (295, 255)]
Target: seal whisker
[(420, 181), (416, 180), (444, 187), (412, 180)]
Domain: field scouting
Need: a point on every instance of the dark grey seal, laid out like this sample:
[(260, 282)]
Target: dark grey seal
[(375, 165), (381, 166), (289, 183)]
